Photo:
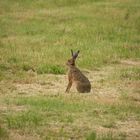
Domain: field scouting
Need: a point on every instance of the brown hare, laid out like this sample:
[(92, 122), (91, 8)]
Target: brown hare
[(76, 76)]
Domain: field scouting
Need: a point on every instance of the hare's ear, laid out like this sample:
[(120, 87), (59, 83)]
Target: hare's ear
[(71, 52), (76, 54)]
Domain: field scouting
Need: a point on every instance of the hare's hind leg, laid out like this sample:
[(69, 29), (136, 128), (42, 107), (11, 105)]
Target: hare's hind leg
[(83, 88)]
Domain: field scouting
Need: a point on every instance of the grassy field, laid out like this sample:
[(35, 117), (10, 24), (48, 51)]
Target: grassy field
[(35, 42)]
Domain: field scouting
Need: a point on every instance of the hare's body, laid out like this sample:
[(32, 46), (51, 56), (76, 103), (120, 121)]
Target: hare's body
[(81, 82), (77, 77)]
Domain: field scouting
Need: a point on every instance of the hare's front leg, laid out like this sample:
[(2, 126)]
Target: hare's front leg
[(69, 84)]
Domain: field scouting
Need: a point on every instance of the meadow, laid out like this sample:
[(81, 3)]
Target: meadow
[(35, 42)]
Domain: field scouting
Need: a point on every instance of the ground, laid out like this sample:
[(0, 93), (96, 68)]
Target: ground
[(113, 91), (36, 37)]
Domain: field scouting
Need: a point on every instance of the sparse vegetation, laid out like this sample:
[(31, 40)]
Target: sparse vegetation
[(3, 134), (35, 42), (92, 136)]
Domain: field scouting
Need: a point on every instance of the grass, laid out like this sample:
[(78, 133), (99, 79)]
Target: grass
[(26, 119), (36, 34), (131, 73), (3, 134), (92, 136), (35, 42), (62, 113), (54, 69), (107, 136)]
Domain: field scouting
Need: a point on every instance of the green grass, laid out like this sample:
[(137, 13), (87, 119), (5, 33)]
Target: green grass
[(105, 136), (92, 136), (3, 134), (36, 38), (40, 112), (54, 69), (26, 119), (34, 34)]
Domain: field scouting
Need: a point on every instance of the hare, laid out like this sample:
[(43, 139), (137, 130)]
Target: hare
[(76, 76)]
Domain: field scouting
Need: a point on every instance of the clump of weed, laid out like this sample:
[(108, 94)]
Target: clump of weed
[(92, 136), (54, 69), (3, 134), (3, 67), (13, 60), (27, 67)]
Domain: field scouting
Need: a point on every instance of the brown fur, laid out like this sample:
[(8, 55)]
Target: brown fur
[(76, 76)]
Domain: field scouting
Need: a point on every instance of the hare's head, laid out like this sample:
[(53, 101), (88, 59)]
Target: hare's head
[(71, 62)]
